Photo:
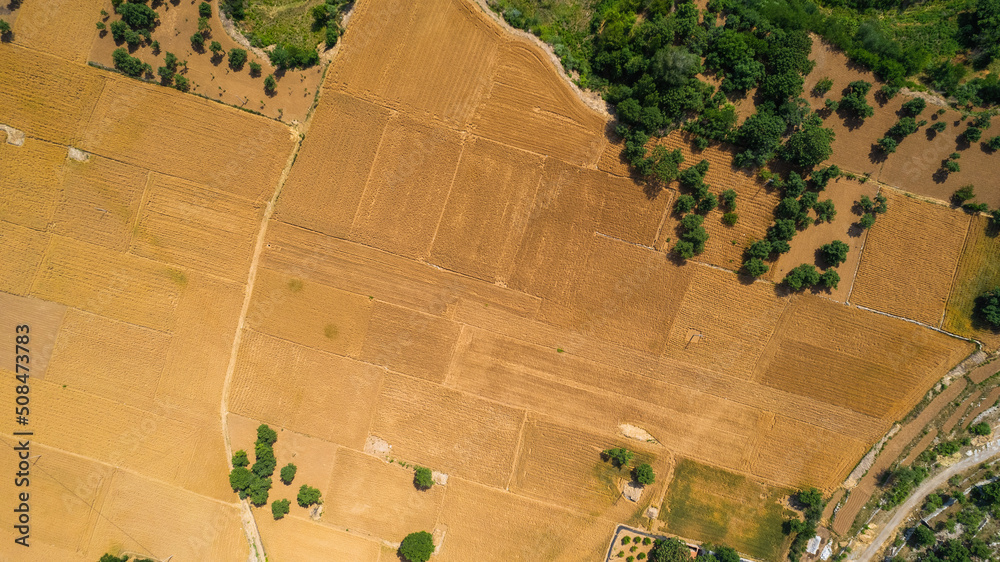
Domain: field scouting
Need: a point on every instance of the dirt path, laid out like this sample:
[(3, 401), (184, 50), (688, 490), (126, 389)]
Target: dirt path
[(917, 497), (249, 524)]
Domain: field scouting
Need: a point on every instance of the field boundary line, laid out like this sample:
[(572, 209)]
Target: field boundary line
[(978, 343), (636, 244), (666, 210), (371, 170), (248, 521), (444, 204), (861, 256), (954, 277), (143, 200), (517, 450)]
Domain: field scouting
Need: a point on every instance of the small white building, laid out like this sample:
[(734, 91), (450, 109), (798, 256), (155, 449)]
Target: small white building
[(812, 547)]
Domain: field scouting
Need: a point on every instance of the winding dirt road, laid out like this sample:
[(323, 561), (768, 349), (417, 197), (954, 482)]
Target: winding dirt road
[(888, 531)]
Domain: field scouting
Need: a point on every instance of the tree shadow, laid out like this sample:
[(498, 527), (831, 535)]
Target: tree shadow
[(855, 230), (851, 121), (940, 176), (876, 155), (962, 143), (930, 133), (216, 58)]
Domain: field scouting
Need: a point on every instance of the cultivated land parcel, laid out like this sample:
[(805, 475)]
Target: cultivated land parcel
[(453, 260)]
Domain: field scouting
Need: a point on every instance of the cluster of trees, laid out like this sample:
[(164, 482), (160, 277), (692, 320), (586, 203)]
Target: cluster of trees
[(806, 275), (169, 75), (792, 214), (327, 15), (136, 24), (255, 482), (905, 126), (697, 201), (870, 209), (804, 529), (902, 482), (981, 428), (123, 558), (417, 547), (987, 307), (944, 448), (129, 65), (620, 458)]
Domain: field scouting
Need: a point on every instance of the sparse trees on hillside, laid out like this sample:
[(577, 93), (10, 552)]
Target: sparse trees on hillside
[(237, 58)]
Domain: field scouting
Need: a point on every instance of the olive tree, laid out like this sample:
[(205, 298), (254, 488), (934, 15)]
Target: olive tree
[(417, 547)]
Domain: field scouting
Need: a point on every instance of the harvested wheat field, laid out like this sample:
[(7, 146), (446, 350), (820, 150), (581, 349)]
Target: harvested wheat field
[(451, 270), (910, 258), (978, 272)]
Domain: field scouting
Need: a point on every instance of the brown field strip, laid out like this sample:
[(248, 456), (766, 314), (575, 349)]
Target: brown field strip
[(448, 431), (309, 313), (367, 271), (980, 374), (43, 319), (314, 393), (986, 400), (187, 140), (64, 28), (624, 297), (325, 186), (99, 202), (910, 259), (959, 413), (978, 272), (175, 212), (488, 209), (520, 528), (371, 496), (46, 97), (868, 363), (861, 493), (21, 252), (30, 185), (920, 447), (562, 465), (731, 336), (98, 280), (410, 342), (797, 453), (410, 178), (286, 540), (435, 60)]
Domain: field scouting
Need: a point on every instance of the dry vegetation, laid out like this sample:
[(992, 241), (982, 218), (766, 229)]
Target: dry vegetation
[(456, 265)]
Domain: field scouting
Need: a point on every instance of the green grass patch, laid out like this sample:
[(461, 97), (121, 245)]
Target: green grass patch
[(177, 276), (273, 22), (978, 272), (714, 505)]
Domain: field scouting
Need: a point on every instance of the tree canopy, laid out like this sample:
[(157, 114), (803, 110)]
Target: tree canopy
[(417, 547)]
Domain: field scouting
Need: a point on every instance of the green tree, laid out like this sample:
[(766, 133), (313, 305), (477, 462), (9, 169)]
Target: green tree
[(829, 279), (417, 547), (204, 27), (939, 127), (216, 48), (265, 462), (963, 194), (888, 145), (684, 249), (197, 42), (808, 146), (240, 479), (266, 435), (761, 249), (988, 308), (913, 107), (205, 10), (270, 84), (684, 204), (952, 166), (4, 29), (307, 496), (867, 220), (181, 83), (259, 489), (619, 456), (280, 508), (730, 219), (643, 474), (237, 58), (129, 65), (981, 428), (665, 163), (669, 550), (423, 479), (855, 102), (255, 68), (923, 536), (759, 136), (802, 277), (288, 473), (728, 199), (725, 554), (834, 253), (825, 211), (973, 133), (137, 15), (240, 459), (823, 86), (755, 267)]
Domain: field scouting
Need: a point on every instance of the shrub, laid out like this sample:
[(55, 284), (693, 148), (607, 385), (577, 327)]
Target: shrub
[(270, 84), (825, 210), (730, 219), (988, 308), (258, 491), (203, 26), (728, 199), (922, 536), (867, 220), (641, 556), (823, 86), (307, 496), (181, 83), (205, 10), (216, 48), (831, 105), (755, 267), (240, 479), (939, 127), (981, 428), (265, 462), (129, 65), (887, 144), (973, 133), (684, 204), (417, 547), (100, 26), (854, 101), (963, 194), (802, 277), (288, 473), (4, 29), (620, 457), (952, 166), (237, 58), (255, 68), (834, 253), (646, 541), (198, 42), (423, 479), (913, 107), (644, 475), (626, 539), (708, 203), (280, 508), (240, 458)]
